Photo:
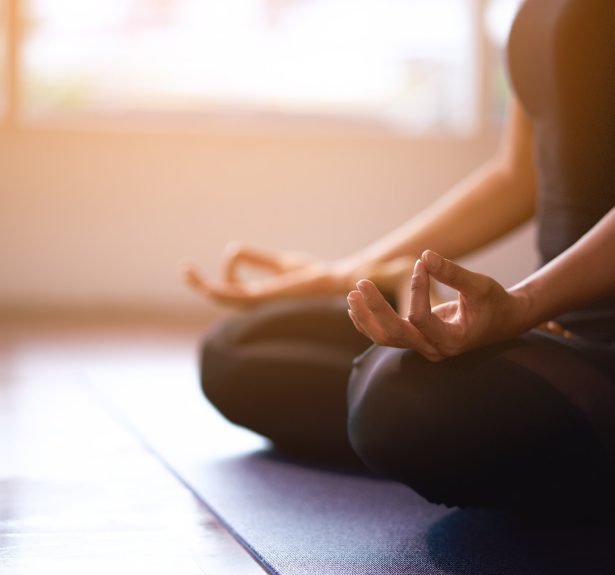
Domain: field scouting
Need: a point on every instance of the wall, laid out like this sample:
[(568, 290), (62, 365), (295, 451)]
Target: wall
[(98, 220)]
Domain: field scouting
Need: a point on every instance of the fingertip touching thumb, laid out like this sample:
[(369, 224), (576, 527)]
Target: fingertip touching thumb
[(449, 272), (432, 261)]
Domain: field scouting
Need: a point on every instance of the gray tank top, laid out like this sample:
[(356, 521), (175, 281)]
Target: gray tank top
[(561, 59)]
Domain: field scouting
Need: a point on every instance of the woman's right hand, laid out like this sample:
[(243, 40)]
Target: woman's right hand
[(290, 274), (293, 274), (238, 255)]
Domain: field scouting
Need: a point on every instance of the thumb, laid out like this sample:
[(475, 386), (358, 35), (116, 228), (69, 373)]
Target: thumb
[(453, 275)]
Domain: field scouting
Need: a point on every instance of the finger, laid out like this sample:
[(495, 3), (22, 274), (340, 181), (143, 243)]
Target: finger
[(237, 255), (233, 295), (388, 274), (290, 284), (221, 293), (192, 276), (455, 276), (392, 330), (420, 314), (381, 310), (357, 324), (229, 262), (245, 293), (365, 318)]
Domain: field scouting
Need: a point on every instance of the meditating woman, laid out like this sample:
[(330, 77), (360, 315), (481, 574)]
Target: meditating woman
[(467, 402)]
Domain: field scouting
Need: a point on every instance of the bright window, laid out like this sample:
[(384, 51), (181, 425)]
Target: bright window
[(406, 62), (498, 18), (413, 64)]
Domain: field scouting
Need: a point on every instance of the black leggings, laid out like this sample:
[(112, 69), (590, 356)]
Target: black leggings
[(523, 424)]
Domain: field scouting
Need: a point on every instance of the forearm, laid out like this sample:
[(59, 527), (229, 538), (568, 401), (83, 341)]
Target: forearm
[(479, 210), (490, 202), (583, 273)]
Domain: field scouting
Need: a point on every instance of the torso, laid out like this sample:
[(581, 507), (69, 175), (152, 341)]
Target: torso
[(561, 56)]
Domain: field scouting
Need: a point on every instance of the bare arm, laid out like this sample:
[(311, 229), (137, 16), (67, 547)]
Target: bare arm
[(485, 312), (493, 200), (583, 273)]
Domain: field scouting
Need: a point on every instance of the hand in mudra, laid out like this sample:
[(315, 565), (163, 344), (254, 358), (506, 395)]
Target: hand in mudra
[(291, 274), (483, 313)]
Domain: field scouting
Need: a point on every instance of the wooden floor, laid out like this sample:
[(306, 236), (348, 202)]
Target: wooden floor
[(79, 493)]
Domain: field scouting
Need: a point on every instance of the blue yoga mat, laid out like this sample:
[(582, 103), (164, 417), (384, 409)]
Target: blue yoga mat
[(299, 519)]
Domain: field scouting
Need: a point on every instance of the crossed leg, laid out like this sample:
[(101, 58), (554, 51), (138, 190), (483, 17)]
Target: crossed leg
[(522, 424)]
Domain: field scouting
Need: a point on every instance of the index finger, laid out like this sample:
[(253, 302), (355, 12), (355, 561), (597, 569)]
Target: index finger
[(454, 275), (420, 306), (398, 332), (237, 254)]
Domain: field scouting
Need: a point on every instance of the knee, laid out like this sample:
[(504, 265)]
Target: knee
[(398, 425), (218, 373)]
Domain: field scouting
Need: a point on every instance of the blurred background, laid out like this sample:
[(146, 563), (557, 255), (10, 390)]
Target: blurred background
[(134, 133)]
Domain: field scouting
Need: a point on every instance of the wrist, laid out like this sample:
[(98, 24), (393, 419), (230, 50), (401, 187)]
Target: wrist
[(523, 310)]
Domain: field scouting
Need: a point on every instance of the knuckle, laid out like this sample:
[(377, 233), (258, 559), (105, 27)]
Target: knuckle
[(484, 286)]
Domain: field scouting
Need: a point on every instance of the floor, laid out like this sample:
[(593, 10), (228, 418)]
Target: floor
[(79, 492)]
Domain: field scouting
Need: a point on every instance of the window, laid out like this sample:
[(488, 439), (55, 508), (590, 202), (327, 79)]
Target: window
[(407, 63), (498, 18)]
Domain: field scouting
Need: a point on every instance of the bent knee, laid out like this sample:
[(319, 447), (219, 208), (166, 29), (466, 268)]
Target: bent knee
[(218, 371), (401, 423), (384, 410)]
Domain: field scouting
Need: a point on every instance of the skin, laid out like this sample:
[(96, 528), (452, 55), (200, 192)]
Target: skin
[(296, 275), (484, 312), (504, 187)]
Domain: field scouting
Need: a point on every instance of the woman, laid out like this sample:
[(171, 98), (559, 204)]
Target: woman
[(465, 401)]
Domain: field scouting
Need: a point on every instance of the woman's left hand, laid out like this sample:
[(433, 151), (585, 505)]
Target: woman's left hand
[(484, 312)]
